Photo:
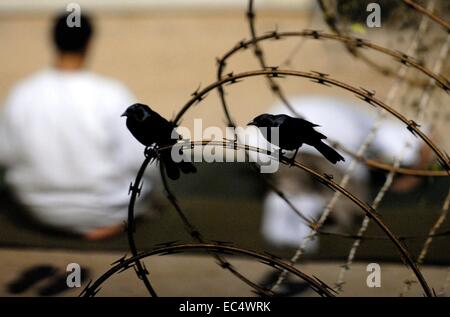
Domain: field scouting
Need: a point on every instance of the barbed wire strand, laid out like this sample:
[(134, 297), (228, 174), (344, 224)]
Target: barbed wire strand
[(321, 79), (324, 79), (231, 144), (222, 63), (427, 12), (259, 53), (398, 56), (221, 66), (233, 78), (397, 160), (386, 167), (441, 234), (287, 62), (197, 236), (230, 122), (242, 45), (425, 99), (369, 211), (226, 248), (332, 21), (92, 290), (443, 54), (135, 190), (365, 223), (361, 150), (426, 246)]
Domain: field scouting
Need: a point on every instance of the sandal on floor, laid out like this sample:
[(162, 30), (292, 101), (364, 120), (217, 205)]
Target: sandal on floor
[(59, 284), (30, 277)]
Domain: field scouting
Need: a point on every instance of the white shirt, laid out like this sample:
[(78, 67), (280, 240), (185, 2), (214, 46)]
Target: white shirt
[(67, 151)]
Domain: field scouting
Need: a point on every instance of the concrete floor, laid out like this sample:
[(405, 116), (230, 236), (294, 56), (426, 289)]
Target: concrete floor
[(197, 275)]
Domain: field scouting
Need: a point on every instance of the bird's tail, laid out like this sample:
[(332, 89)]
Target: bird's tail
[(173, 168), (329, 153)]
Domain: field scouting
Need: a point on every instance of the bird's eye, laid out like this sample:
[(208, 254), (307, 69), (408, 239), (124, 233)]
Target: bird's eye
[(140, 114)]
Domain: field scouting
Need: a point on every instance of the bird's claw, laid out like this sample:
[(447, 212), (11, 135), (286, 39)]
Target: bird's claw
[(151, 151)]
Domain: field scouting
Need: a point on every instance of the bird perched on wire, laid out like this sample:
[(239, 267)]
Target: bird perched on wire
[(149, 128), (293, 133)]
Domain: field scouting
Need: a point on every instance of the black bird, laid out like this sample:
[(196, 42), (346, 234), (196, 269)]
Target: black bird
[(149, 128), (293, 133)]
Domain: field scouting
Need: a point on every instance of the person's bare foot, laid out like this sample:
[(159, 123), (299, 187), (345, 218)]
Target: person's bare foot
[(104, 232)]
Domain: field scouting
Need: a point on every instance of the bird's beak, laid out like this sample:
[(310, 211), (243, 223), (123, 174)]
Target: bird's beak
[(124, 114), (251, 123)]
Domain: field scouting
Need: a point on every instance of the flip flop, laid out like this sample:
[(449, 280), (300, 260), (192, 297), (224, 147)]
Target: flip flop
[(59, 284), (30, 277)]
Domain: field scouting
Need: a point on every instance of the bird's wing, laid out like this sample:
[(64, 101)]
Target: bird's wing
[(304, 122), (302, 127), (278, 120)]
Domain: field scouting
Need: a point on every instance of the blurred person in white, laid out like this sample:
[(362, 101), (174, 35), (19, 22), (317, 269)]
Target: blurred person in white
[(68, 155), (348, 124)]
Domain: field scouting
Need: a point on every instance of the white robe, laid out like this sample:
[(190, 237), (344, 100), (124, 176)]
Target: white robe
[(67, 151)]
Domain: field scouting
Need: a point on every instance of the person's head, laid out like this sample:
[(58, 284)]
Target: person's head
[(72, 41)]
